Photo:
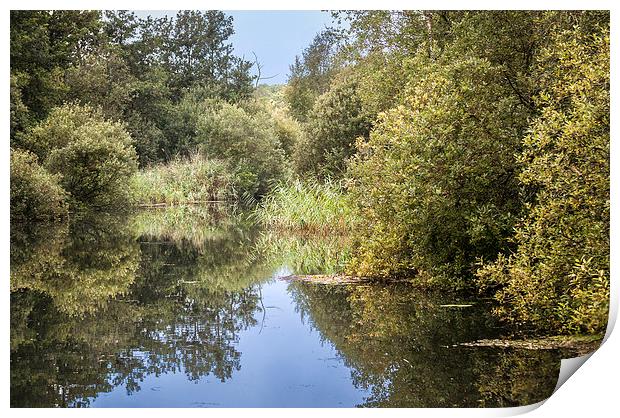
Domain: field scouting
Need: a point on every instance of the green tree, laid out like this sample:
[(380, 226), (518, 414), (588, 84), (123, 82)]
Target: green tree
[(43, 44), (148, 116), (20, 119), (333, 125), (175, 64), (310, 74), (380, 45), (558, 278), (93, 157), (197, 47), (435, 184), (35, 193), (102, 80)]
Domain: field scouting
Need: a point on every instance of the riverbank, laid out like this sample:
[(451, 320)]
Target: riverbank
[(182, 181), (576, 345)]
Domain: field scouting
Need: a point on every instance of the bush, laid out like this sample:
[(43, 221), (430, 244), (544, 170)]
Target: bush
[(93, 157), (35, 193), (333, 125), (195, 179), (558, 278), (245, 140), (57, 131), (288, 131), (435, 185)]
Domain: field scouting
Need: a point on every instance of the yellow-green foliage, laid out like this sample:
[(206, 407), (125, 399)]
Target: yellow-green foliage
[(93, 157), (195, 179), (434, 185), (35, 193), (558, 278), (287, 130)]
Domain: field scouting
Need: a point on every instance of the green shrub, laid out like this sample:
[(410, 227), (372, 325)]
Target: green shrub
[(58, 130), (195, 179), (35, 193), (435, 185), (247, 142), (334, 123), (94, 158), (558, 278), (288, 131), (309, 206)]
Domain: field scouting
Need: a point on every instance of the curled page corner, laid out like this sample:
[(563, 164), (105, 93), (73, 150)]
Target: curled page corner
[(568, 367)]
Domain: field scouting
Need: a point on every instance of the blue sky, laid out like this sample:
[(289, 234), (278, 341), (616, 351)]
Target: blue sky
[(274, 36)]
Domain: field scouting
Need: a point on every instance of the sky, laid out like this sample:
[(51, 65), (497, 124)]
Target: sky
[(274, 36)]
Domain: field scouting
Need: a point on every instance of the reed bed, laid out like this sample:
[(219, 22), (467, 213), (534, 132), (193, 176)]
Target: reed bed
[(182, 181), (306, 207)]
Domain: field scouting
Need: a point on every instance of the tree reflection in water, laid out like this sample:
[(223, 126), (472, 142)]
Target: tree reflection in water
[(402, 345), (100, 303), (107, 301)]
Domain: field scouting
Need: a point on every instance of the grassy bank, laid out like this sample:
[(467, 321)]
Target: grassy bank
[(192, 180), (306, 207)]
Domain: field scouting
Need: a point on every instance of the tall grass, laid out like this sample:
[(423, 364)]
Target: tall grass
[(306, 207), (192, 180)]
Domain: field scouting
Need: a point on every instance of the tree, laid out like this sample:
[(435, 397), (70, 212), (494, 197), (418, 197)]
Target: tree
[(102, 80), (43, 44), (93, 157), (171, 60), (19, 115), (310, 74), (333, 125), (435, 184), (558, 277), (381, 44)]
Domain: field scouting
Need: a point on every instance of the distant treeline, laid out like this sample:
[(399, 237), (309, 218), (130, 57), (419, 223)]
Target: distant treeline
[(95, 95)]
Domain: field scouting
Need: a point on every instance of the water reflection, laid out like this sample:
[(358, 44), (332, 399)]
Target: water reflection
[(402, 345), (105, 304), (81, 266)]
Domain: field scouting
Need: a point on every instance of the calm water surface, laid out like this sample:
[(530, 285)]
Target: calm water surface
[(185, 307)]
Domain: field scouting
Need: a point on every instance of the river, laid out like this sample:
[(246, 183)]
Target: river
[(186, 307)]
